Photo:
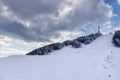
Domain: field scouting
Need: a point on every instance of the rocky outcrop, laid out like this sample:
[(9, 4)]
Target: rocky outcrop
[(88, 39), (47, 49), (76, 43), (116, 39), (67, 43)]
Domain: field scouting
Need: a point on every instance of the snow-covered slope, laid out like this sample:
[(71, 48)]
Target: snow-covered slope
[(99, 60)]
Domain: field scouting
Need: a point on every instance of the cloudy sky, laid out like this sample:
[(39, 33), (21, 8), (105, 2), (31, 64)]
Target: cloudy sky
[(29, 24)]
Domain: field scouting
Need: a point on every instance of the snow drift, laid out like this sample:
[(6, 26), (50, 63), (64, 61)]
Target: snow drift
[(99, 60)]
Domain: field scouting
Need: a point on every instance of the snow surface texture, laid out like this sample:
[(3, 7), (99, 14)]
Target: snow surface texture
[(99, 60)]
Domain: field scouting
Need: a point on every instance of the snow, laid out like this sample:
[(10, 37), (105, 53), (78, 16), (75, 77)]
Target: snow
[(99, 60)]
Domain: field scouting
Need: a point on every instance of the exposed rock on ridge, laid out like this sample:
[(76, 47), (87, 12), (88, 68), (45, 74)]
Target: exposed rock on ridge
[(76, 43), (116, 39)]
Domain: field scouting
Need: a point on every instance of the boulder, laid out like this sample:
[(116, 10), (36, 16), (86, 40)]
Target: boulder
[(116, 38), (67, 43), (76, 44), (92, 37), (46, 50), (57, 46), (51, 47), (81, 39), (38, 52), (97, 35), (88, 40)]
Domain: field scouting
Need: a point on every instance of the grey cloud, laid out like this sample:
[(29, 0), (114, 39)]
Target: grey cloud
[(3, 20), (90, 11), (17, 30), (31, 8), (44, 17)]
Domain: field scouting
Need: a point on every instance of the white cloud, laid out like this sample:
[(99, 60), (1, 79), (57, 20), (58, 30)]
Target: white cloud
[(118, 2), (66, 35), (10, 46)]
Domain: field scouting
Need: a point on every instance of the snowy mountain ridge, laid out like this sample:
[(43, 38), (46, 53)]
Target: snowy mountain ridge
[(99, 60), (76, 43)]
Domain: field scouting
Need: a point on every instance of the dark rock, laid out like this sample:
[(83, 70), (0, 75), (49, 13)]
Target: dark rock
[(50, 47), (67, 43), (116, 38), (92, 37), (88, 40), (81, 39), (30, 53), (46, 49), (98, 35), (39, 52), (76, 44), (57, 46)]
